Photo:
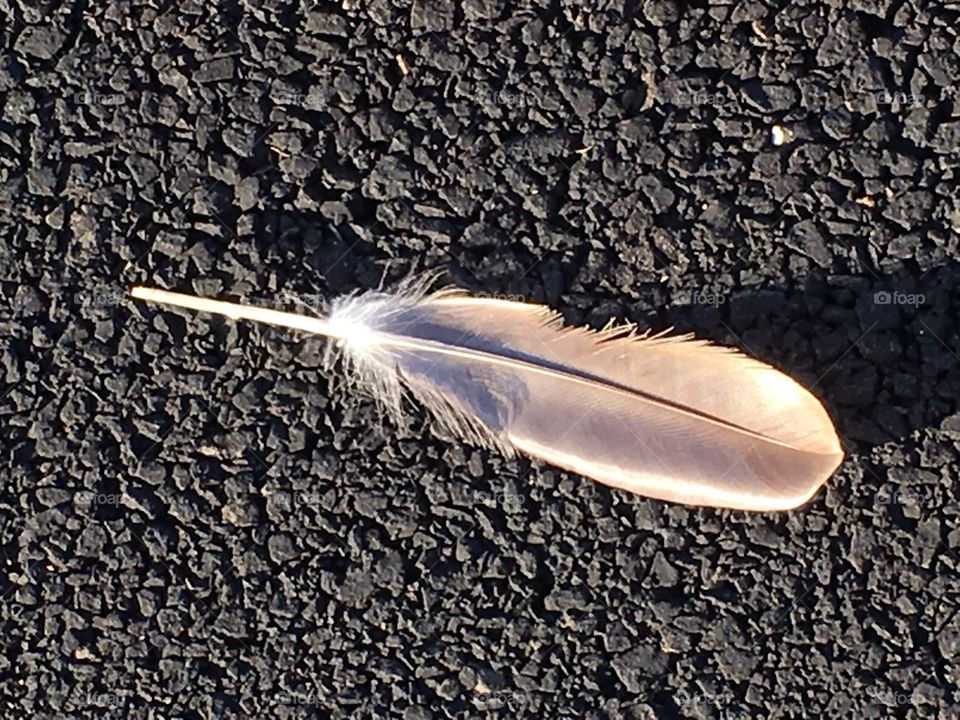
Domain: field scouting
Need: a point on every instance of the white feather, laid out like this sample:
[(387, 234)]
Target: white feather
[(667, 417)]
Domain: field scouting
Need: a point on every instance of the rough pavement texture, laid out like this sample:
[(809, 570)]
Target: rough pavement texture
[(196, 522)]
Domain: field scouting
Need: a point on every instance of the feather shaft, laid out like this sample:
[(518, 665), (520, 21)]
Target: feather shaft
[(235, 311)]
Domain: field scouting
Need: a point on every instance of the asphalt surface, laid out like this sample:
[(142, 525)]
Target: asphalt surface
[(198, 521)]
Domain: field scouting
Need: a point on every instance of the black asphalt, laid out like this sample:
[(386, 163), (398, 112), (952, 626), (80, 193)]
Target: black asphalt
[(198, 521)]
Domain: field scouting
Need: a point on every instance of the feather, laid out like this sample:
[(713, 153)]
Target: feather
[(672, 418)]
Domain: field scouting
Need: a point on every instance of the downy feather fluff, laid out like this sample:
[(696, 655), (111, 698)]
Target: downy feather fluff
[(672, 418)]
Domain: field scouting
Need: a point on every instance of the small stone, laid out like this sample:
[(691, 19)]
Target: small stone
[(143, 170), (40, 41), (240, 514), (432, 16), (665, 573), (780, 135), (215, 70), (103, 330), (281, 548), (92, 542)]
